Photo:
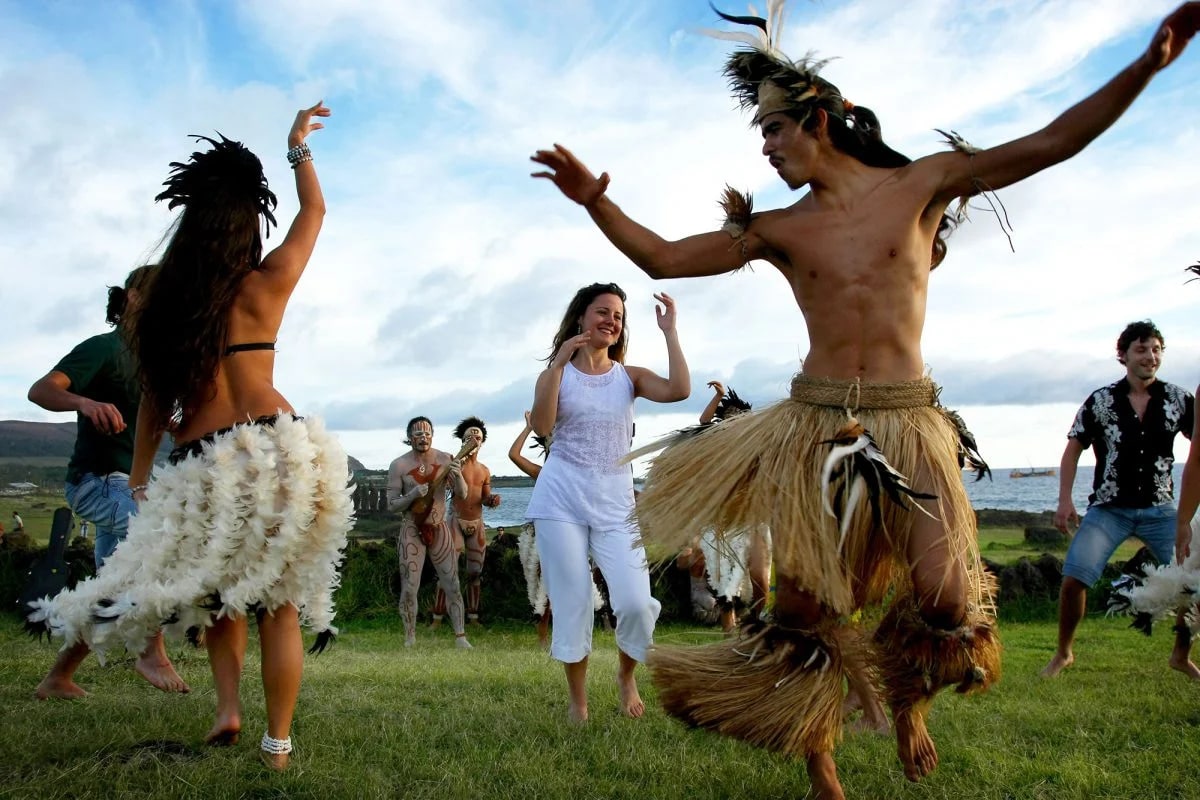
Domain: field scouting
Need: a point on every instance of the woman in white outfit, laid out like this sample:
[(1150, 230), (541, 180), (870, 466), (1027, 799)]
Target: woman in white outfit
[(583, 498)]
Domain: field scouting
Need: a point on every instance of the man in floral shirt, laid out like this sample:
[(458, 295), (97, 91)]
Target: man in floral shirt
[(1131, 425)]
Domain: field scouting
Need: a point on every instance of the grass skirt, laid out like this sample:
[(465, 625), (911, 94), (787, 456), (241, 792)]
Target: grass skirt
[(254, 518), (763, 469)]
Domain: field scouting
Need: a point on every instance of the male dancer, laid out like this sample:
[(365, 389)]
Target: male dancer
[(416, 486), (466, 521), (857, 251), (1132, 425)]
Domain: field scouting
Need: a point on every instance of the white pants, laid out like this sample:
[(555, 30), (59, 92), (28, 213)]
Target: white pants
[(563, 548)]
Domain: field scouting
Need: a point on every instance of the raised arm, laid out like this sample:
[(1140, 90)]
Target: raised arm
[(695, 256), (515, 455), (286, 262), (678, 383), (1073, 130), (710, 410)]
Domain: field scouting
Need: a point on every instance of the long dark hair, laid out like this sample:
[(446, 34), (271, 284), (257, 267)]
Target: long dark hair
[(118, 296), (180, 332), (855, 131), (579, 304)]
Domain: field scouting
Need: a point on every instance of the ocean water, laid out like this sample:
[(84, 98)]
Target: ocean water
[(1017, 494)]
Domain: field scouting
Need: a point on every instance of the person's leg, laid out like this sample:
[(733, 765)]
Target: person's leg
[(444, 557), (225, 641), (412, 560), (1155, 526), (1100, 533), (759, 567), (628, 577), (282, 666), (107, 504), (563, 553), (439, 608), (476, 549), (60, 680)]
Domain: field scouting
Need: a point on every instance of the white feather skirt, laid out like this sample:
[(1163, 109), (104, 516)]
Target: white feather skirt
[(1167, 589), (256, 520)]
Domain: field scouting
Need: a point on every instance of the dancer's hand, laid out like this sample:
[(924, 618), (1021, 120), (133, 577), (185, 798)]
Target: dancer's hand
[(303, 125), (569, 174), (665, 314), (1066, 516), (528, 422), (493, 500), (717, 387), (1183, 539), (1173, 35), (568, 349), (420, 490)]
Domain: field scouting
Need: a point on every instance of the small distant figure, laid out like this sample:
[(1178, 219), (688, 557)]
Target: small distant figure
[(83, 529), (18, 523), (1131, 425)]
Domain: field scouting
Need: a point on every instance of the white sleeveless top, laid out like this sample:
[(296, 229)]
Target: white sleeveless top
[(582, 481)]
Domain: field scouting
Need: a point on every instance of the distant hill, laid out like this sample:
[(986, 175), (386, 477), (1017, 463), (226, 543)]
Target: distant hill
[(41, 440), (20, 439)]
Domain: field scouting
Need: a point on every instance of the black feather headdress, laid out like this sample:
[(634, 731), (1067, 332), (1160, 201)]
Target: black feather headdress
[(763, 77), (228, 172), (730, 406), (1195, 270)]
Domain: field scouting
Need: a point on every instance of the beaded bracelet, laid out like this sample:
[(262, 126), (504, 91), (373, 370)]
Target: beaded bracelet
[(141, 487), (276, 746), (299, 154)]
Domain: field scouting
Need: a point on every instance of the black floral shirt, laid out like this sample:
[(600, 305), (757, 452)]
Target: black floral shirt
[(1133, 457)]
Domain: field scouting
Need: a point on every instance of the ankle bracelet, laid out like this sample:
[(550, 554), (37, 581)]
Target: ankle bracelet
[(276, 746)]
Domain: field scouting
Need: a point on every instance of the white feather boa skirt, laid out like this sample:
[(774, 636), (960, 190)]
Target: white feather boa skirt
[(531, 565), (1165, 590), (725, 561), (257, 519)]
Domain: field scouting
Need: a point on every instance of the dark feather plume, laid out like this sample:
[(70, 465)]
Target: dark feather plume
[(325, 639), (757, 22), (968, 450), (738, 208), (1195, 270), (227, 173)]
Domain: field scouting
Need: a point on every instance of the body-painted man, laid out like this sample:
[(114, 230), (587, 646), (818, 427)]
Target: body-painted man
[(417, 483)]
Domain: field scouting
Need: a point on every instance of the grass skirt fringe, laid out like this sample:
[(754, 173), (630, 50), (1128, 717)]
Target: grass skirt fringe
[(763, 469), (256, 520), (773, 687)]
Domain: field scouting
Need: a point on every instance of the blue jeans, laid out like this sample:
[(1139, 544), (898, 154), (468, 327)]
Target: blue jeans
[(106, 502), (1103, 530)]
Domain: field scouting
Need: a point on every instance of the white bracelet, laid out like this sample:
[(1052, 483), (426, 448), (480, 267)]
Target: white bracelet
[(298, 155), (141, 487), (276, 747)]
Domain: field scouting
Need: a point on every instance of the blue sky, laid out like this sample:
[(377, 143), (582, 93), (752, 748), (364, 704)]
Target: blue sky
[(443, 268)]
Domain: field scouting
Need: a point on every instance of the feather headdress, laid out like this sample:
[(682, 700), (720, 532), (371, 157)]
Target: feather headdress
[(1195, 270), (227, 172), (763, 77), (856, 467)]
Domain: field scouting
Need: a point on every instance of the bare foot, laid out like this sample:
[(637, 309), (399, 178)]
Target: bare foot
[(460, 641), (410, 640), (63, 689), (160, 673), (1185, 666), (822, 772), (275, 761), (630, 701), (577, 714), (1057, 664), (227, 730), (913, 745)]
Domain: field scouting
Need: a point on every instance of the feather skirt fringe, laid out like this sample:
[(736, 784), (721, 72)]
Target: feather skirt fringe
[(763, 469), (1162, 591), (257, 520), (774, 688)]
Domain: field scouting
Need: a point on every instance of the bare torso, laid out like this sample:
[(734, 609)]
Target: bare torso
[(860, 274), (476, 476), (411, 469), (244, 387)]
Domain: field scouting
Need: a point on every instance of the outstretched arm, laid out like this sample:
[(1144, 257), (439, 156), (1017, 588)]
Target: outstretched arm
[(678, 383), (695, 256), (1006, 164), (286, 262)]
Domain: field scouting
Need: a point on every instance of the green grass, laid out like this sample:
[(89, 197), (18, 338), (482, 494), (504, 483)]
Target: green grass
[(1005, 545), (378, 720)]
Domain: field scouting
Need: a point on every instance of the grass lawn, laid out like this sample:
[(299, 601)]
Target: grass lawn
[(378, 720)]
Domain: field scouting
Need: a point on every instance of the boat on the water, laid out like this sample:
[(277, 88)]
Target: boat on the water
[(1049, 472)]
